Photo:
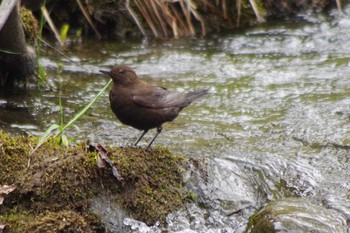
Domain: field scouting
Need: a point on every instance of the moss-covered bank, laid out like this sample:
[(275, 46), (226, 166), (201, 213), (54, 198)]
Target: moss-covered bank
[(56, 185), (168, 19)]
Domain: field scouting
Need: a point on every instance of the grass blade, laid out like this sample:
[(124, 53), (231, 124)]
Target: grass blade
[(81, 113), (61, 128), (45, 136)]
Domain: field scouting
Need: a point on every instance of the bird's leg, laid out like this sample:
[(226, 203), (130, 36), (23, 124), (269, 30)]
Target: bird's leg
[(159, 129), (143, 134)]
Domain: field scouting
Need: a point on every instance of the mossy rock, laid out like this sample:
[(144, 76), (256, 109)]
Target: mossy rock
[(66, 180), (56, 182), (153, 182), (14, 155), (48, 221), (30, 25)]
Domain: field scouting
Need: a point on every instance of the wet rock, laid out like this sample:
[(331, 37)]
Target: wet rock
[(17, 59), (296, 215)]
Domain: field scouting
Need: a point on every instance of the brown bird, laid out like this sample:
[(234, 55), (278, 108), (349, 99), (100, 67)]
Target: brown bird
[(143, 106)]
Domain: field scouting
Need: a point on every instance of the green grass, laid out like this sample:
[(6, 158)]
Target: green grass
[(57, 130)]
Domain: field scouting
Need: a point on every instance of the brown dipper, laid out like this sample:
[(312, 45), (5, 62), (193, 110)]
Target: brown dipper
[(143, 106)]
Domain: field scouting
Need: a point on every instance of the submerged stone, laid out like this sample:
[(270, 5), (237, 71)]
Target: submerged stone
[(296, 215)]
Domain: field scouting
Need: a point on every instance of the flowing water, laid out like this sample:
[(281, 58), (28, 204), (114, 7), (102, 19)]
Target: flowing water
[(275, 125)]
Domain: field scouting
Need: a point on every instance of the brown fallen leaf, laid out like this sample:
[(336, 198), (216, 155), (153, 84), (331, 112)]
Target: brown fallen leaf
[(4, 191), (103, 159), (2, 227)]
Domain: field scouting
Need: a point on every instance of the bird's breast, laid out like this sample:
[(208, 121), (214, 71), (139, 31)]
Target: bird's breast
[(120, 97)]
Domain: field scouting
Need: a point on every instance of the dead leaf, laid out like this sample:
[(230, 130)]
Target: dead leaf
[(102, 151), (2, 227), (103, 159), (4, 191), (116, 174)]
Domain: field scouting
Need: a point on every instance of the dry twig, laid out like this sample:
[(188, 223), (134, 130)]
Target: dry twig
[(133, 15), (87, 17), (51, 24), (259, 17)]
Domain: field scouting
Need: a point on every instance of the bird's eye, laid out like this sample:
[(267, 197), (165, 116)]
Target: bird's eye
[(121, 71)]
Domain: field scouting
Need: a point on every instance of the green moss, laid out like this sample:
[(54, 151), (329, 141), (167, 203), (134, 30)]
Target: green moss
[(16, 221), (14, 155), (30, 25), (57, 182), (61, 221), (58, 179), (260, 223), (153, 184)]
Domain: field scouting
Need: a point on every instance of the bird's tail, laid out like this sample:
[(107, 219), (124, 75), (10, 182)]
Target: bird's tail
[(192, 96)]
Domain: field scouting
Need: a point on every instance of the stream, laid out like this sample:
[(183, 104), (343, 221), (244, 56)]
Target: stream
[(274, 127)]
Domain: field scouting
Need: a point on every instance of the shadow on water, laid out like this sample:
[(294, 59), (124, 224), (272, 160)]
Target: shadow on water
[(275, 124)]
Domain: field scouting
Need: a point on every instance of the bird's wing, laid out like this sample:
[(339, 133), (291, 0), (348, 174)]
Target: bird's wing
[(157, 97)]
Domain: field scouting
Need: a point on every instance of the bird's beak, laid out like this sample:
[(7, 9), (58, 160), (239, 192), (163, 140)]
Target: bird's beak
[(105, 72)]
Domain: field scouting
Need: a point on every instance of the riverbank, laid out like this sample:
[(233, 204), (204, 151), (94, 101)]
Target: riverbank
[(171, 19)]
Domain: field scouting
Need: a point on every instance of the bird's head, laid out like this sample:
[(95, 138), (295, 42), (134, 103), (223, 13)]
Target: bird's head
[(121, 74)]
